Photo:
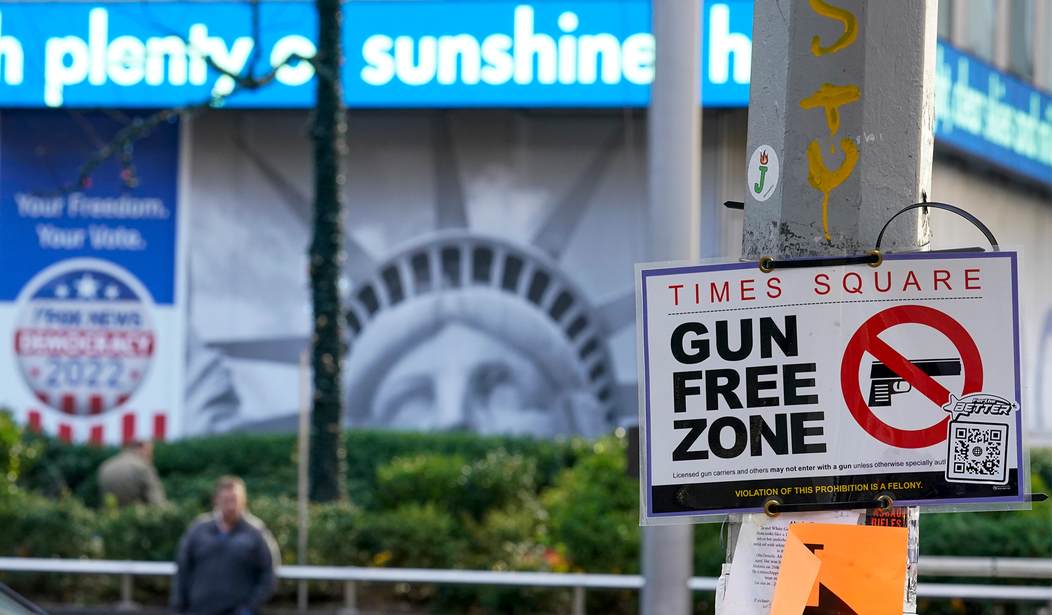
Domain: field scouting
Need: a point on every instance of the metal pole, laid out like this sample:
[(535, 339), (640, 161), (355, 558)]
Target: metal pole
[(127, 603), (841, 111), (350, 599), (853, 114), (303, 449), (578, 601), (674, 152)]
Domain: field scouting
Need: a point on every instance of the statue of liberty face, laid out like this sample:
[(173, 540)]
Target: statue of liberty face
[(475, 359), (489, 298), (486, 385)]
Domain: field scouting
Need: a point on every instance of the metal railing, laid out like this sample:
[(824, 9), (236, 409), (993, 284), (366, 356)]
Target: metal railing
[(930, 566)]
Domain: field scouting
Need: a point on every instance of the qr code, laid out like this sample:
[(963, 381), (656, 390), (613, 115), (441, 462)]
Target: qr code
[(978, 453)]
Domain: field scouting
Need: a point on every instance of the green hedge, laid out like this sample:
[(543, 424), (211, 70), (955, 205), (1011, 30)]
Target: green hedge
[(268, 462), (585, 507), (417, 500)]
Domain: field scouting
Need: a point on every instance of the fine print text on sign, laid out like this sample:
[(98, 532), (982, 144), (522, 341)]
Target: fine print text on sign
[(830, 384)]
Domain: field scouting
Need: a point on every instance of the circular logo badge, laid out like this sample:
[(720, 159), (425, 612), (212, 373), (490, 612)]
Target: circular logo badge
[(84, 336), (763, 173)]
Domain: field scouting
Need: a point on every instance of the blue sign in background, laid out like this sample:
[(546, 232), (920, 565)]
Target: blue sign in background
[(444, 53), (982, 111), (45, 217), (67, 49), (100, 54), (603, 20)]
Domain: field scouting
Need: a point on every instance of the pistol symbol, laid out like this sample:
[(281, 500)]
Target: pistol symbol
[(884, 382)]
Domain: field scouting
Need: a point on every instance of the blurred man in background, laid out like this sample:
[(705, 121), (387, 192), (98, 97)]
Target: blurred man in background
[(130, 476), (227, 559)]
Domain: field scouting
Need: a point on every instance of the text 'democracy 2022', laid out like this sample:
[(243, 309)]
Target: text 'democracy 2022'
[(830, 384)]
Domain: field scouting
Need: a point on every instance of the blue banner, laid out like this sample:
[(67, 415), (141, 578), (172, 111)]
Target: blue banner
[(95, 348), (994, 116), (399, 53), (442, 53), (123, 214)]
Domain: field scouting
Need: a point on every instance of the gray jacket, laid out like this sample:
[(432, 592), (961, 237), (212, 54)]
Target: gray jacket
[(131, 479), (222, 573)]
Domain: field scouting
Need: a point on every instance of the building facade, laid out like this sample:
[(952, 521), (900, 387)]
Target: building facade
[(496, 203)]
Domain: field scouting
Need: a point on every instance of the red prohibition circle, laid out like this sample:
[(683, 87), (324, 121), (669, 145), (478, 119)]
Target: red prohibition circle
[(866, 340)]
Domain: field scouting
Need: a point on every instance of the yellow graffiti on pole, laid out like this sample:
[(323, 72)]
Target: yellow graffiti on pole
[(831, 97), (825, 180), (845, 17)]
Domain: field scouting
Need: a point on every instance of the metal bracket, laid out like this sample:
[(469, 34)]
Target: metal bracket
[(774, 506), (874, 257), (946, 207)]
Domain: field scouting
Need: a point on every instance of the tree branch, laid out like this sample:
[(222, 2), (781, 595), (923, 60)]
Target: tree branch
[(139, 128), (121, 145)]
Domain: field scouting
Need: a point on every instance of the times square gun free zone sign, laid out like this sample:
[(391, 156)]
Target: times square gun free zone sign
[(829, 384)]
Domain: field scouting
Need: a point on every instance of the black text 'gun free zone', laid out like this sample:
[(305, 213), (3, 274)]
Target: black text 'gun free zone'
[(884, 382)]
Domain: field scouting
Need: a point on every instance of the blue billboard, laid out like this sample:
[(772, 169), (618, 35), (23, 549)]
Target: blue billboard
[(995, 116), (90, 312), (50, 213), (442, 53), (399, 53)]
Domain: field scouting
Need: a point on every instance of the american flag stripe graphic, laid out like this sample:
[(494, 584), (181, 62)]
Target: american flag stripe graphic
[(127, 426), (160, 426)]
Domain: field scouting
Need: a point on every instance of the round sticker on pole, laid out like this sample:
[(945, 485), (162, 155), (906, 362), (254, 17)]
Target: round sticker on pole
[(763, 173)]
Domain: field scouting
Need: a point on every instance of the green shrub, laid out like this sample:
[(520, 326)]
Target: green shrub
[(267, 462), (449, 482), (511, 538), (35, 526), (143, 532), (1041, 465), (190, 467), (280, 514), (17, 454), (419, 500), (420, 479), (498, 480), (333, 537), (593, 512), (1002, 533), (709, 552), (368, 450), (411, 536), (65, 469)]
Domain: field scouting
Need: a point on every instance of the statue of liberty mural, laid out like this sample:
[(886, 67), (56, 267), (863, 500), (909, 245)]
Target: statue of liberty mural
[(472, 319)]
